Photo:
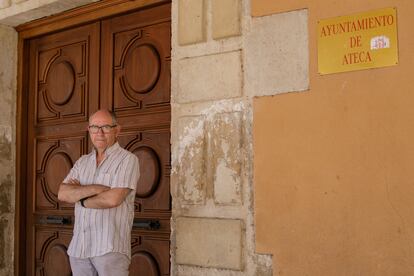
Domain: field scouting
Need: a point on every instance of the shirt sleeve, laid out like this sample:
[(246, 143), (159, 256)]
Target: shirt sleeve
[(127, 174), (73, 173)]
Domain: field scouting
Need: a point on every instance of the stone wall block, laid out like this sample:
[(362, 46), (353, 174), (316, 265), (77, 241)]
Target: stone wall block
[(277, 54), (225, 18), (191, 21), (225, 157), (191, 160), (209, 242), (210, 77), (6, 244), (18, 1), (8, 70), (8, 58), (5, 194), (3, 230), (5, 4), (5, 143)]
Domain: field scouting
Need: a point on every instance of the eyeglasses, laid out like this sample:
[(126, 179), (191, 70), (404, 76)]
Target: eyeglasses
[(105, 128)]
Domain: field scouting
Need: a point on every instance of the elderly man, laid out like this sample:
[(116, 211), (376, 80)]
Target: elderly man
[(102, 184)]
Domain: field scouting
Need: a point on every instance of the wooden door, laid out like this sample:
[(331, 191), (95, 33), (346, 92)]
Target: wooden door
[(121, 63), (63, 91), (135, 83)]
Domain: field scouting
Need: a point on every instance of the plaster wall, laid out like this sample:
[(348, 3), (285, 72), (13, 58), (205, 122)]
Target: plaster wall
[(333, 165), (8, 71)]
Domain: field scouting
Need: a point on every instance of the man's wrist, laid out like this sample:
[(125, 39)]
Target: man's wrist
[(82, 201)]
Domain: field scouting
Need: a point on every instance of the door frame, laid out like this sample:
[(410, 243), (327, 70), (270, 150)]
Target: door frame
[(72, 18)]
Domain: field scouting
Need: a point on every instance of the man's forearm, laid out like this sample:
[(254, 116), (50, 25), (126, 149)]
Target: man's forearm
[(108, 199), (72, 193)]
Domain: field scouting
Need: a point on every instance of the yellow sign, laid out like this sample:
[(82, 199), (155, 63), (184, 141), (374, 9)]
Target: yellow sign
[(361, 41)]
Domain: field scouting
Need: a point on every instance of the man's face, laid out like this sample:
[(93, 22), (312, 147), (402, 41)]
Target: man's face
[(102, 130)]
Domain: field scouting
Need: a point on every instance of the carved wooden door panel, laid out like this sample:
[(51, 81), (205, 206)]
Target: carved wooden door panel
[(63, 92), (135, 83)]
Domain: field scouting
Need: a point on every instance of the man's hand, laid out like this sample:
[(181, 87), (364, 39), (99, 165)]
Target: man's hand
[(73, 191)]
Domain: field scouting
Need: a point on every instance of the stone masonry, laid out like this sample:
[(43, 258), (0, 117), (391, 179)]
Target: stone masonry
[(8, 57), (212, 181)]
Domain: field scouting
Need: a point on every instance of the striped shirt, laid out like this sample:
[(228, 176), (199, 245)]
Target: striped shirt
[(100, 231)]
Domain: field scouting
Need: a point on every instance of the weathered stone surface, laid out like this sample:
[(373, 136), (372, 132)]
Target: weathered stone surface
[(20, 13), (8, 61), (3, 231), (8, 71), (191, 21), (210, 158), (225, 157), (6, 245), (4, 4), (210, 77), (5, 142), (5, 195), (191, 156), (209, 242), (277, 54), (263, 265), (225, 18)]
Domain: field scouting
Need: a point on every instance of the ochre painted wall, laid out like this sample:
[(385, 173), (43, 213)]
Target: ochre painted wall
[(334, 165)]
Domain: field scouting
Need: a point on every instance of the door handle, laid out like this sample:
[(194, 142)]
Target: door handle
[(147, 224), (56, 220)]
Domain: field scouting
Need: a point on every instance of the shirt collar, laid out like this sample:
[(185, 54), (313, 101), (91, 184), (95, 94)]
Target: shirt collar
[(109, 150)]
